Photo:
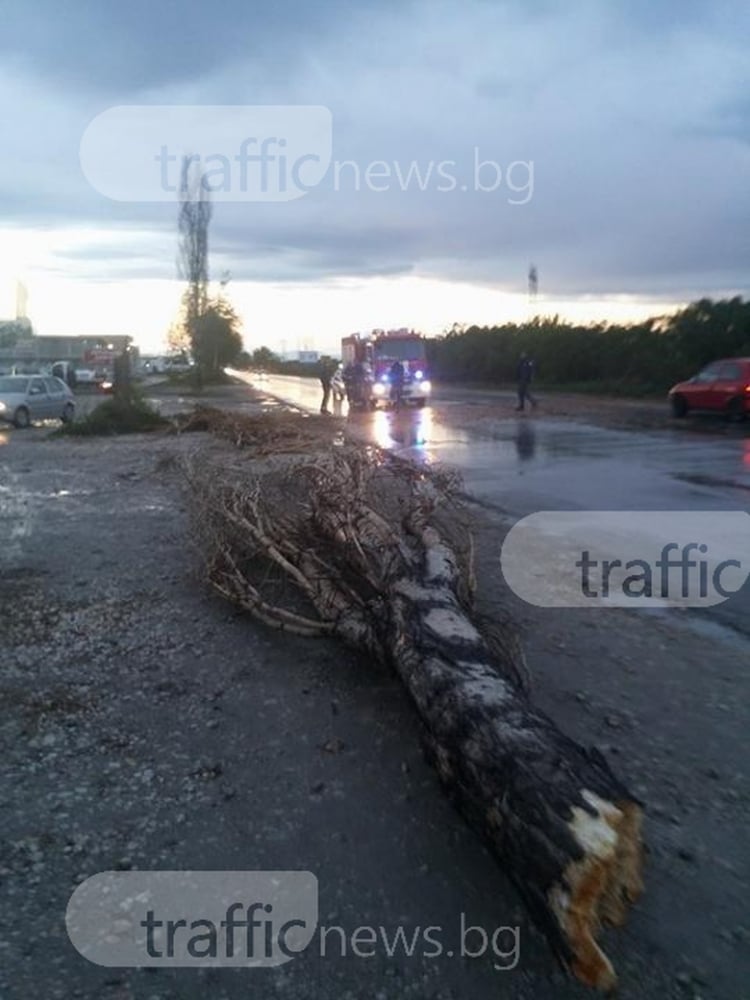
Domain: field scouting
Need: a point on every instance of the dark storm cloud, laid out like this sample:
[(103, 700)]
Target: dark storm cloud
[(635, 116), (139, 44)]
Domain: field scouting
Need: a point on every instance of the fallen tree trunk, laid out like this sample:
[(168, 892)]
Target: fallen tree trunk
[(365, 547), (565, 828)]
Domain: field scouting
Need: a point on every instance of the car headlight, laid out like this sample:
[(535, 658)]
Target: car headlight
[(378, 388), (418, 375), (426, 386), (384, 378), (2, 407)]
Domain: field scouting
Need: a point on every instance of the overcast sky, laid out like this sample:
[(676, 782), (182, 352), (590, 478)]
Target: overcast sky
[(628, 122)]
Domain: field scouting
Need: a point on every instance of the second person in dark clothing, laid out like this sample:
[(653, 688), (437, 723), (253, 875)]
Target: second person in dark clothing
[(524, 375), (396, 376)]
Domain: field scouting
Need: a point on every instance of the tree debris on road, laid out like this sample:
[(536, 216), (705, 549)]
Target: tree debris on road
[(338, 538)]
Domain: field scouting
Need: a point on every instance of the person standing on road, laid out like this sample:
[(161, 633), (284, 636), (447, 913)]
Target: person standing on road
[(396, 375), (348, 377), (362, 383), (326, 368), (524, 375)]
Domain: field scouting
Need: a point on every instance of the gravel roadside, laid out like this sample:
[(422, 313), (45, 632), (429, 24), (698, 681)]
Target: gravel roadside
[(146, 725)]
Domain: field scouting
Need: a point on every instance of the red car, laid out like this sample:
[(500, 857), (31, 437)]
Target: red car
[(722, 386)]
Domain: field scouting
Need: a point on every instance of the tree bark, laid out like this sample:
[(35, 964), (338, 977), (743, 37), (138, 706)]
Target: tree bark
[(566, 830)]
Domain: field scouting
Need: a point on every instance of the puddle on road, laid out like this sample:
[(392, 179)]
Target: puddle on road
[(567, 462), (425, 438), (405, 429)]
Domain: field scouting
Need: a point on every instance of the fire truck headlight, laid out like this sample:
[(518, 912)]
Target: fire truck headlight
[(426, 386), (378, 389), (418, 375)]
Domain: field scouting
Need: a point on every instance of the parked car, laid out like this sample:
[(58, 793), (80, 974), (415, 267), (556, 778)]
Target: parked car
[(24, 398), (86, 376), (65, 371), (723, 386), (177, 366)]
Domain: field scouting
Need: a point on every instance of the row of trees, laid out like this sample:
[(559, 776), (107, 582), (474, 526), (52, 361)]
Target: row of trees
[(11, 332), (630, 358)]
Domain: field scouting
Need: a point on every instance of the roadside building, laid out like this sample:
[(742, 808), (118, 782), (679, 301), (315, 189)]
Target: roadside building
[(25, 350)]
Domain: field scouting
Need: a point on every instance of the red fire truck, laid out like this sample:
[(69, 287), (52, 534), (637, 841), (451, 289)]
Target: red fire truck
[(368, 358)]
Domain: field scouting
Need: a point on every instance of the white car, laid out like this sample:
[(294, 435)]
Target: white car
[(176, 366), (24, 398)]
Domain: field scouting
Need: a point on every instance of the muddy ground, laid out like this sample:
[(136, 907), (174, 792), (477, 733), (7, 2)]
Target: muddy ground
[(146, 725)]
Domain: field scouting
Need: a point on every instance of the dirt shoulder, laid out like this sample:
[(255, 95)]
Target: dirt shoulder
[(146, 725), (605, 411)]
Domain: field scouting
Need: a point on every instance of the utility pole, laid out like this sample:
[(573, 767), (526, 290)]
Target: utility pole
[(533, 288)]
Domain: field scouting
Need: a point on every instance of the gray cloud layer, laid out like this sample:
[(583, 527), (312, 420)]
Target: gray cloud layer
[(635, 115)]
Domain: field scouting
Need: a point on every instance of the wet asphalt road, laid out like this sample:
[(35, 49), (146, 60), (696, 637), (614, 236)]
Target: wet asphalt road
[(523, 463), (147, 725)]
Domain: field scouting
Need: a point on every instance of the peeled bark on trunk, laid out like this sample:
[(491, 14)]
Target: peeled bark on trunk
[(565, 828), (363, 548)]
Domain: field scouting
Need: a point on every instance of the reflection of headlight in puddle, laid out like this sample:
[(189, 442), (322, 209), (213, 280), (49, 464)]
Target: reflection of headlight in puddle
[(378, 389)]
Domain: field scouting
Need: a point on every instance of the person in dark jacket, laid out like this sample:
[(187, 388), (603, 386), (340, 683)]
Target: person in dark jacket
[(326, 368), (349, 378), (524, 375), (396, 377)]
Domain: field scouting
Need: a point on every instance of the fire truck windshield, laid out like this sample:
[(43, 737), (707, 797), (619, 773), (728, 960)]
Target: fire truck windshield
[(391, 349)]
